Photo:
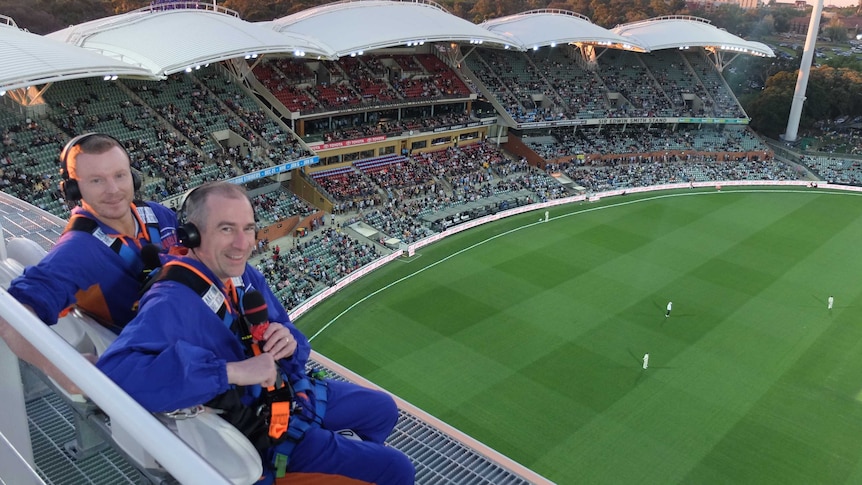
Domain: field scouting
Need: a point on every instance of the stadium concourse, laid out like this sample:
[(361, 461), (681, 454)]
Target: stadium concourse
[(356, 141)]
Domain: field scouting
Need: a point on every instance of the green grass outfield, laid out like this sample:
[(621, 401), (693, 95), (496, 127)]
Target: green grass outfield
[(529, 337)]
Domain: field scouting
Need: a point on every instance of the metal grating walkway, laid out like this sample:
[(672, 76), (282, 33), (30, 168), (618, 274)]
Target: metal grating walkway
[(52, 425), (438, 458)]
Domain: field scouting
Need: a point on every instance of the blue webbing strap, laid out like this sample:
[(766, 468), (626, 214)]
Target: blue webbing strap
[(299, 423)]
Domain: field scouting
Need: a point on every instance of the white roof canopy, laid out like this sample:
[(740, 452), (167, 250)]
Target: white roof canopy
[(168, 40), (165, 38), (674, 32), (540, 28), (352, 26), (31, 60)]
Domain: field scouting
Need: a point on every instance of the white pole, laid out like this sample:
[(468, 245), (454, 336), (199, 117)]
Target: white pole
[(804, 69)]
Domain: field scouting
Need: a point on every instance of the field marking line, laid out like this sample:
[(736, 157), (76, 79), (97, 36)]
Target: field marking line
[(578, 212)]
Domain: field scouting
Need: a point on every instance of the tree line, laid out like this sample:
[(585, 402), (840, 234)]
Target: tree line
[(44, 16)]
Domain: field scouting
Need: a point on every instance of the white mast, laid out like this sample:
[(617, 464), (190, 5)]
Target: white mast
[(804, 69)]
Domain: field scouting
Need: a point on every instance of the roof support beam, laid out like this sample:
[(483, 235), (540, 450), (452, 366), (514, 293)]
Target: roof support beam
[(30, 96), (586, 56), (716, 55), (239, 68), (453, 54)]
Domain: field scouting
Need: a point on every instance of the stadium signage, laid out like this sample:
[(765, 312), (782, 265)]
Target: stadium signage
[(546, 124), (454, 127), (716, 121), (268, 172), (350, 143), (624, 121)]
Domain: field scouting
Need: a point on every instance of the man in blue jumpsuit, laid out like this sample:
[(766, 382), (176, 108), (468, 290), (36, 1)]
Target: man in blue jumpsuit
[(97, 263), (186, 347)]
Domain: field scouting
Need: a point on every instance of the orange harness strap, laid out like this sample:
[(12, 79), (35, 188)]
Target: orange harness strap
[(279, 418)]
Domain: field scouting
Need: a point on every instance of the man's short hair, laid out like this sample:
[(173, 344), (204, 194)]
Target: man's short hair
[(194, 206), (90, 143)]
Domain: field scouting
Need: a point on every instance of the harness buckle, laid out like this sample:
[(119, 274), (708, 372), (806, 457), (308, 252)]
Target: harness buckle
[(278, 407), (185, 413)]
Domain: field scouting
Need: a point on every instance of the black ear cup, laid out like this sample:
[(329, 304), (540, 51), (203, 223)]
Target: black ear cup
[(136, 181), (69, 186), (69, 189), (188, 235)]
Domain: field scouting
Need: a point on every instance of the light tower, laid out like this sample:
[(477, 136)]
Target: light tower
[(804, 69)]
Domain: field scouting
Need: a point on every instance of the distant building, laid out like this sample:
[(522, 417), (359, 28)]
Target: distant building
[(852, 24), (799, 25), (797, 4), (711, 5), (750, 4)]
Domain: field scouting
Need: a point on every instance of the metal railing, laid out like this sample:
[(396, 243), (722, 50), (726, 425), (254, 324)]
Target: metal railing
[(167, 448)]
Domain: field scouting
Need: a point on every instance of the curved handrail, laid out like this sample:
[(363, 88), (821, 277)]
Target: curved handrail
[(167, 448)]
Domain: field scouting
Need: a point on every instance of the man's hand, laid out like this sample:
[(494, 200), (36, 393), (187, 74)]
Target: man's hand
[(259, 369), (279, 341), (25, 351)]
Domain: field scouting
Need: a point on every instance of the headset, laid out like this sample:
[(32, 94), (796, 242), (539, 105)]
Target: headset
[(188, 233), (69, 186)]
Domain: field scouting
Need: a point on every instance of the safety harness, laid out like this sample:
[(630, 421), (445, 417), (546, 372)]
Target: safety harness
[(91, 299), (119, 244), (213, 297), (298, 427), (279, 401)]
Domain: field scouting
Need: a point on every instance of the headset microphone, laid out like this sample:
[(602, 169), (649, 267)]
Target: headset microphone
[(256, 314), (256, 317)]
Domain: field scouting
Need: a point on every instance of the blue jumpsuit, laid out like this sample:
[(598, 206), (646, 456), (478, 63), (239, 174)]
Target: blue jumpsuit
[(173, 354), (82, 269)]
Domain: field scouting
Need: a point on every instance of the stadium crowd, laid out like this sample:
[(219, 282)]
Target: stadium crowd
[(174, 131), (553, 86), (371, 80), (567, 142)]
